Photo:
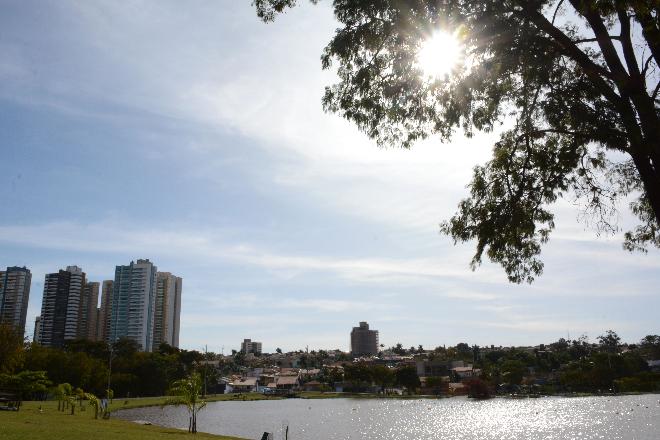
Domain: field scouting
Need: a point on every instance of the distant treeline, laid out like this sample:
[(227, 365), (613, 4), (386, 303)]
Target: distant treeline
[(85, 364)]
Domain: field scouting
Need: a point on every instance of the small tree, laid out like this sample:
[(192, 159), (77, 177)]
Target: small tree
[(188, 392), (62, 393), (94, 402)]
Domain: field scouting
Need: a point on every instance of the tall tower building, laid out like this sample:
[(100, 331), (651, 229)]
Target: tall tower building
[(167, 309), (60, 307), (133, 303), (87, 319), (37, 330), (14, 295), (364, 342), (104, 312)]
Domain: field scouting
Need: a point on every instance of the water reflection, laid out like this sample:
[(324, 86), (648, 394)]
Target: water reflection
[(621, 417)]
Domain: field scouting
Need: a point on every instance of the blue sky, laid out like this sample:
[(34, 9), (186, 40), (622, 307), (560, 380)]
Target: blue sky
[(194, 136)]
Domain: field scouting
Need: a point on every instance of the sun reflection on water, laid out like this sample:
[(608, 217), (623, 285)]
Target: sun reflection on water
[(622, 417)]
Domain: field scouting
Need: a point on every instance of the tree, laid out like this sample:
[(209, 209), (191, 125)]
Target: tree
[(95, 402), (398, 349), (11, 348), (382, 376), (575, 83), (610, 341), (513, 371), (188, 392), (27, 384), (62, 393), (650, 346), (407, 377)]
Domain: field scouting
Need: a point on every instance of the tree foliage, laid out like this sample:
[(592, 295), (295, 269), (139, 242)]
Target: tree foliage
[(575, 84), (11, 349)]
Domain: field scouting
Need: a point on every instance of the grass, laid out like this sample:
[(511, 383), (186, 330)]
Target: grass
[(31, 424)]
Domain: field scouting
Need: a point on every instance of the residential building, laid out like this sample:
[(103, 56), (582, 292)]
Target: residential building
[(167, 309), (37, 329), (250, 346), (133, 303), (104, 312), (14, 295), (364, 342), (88, 302), (60, 307)]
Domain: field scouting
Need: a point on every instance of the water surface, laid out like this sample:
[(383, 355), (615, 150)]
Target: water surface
[(584, 418)]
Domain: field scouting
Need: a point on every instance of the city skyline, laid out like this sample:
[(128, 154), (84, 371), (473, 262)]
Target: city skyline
[(199, 141)]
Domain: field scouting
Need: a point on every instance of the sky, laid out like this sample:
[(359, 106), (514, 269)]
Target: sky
[(193, 135)]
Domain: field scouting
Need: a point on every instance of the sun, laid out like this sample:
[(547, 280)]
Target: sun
[(439, 54)]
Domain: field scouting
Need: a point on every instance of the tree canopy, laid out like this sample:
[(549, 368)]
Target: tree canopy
[(571, 86)]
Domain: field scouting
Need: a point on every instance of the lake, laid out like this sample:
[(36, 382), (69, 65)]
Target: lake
[(609, 417)]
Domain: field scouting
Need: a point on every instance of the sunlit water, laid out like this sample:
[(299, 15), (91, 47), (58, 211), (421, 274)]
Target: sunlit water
[(620, 417)]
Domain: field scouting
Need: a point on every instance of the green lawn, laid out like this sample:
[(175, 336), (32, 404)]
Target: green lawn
[(31, 424)]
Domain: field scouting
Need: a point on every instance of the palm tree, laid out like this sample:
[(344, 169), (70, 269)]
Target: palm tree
[(188, 392)]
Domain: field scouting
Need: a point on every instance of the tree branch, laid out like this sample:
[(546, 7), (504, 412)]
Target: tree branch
[(626, 42), (650, 29), (602, 36), (591, 69), (594, 40), (647, 64)]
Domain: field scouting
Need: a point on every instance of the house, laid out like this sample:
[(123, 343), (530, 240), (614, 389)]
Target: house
[(244, 385), (287, 383), (432, 367), (309, 373), (462, 373)]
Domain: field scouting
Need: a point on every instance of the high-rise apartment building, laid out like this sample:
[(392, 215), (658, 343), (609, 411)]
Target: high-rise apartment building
[(60, 307), (14, 295), (87, 316), (250, 346), (104, 312), (37, 330), (133, 303), (364, 342), (167, 309)]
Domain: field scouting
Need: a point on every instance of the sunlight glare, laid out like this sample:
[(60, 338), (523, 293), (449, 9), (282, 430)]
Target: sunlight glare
[(439, 54)]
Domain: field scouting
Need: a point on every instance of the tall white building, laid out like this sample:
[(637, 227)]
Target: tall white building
[(133, 303), (167, 309), (60, 307)]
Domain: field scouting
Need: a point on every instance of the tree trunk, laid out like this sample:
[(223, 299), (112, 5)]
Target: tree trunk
[(650, 176)]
